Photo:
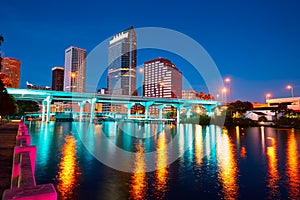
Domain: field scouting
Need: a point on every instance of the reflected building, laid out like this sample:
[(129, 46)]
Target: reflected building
[(11, 68), (75, 70)]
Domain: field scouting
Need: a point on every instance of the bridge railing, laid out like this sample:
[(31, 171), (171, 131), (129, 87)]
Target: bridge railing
[(23, 184)]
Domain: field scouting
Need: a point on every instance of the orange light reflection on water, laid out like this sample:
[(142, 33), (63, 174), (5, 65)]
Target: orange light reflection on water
[(161, 165), (273, 169), (139, 183), (292, 166), (198, 145), (68, 170), (228, 166)]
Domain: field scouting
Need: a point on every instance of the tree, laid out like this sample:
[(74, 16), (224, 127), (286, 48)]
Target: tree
[(281, 108), (204, 96), (262, 119), (27, 106), (239, 107), (5, 80), (7, 102), (1, 41)]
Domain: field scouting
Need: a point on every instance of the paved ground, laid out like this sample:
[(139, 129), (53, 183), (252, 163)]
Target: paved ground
[(8, 134)]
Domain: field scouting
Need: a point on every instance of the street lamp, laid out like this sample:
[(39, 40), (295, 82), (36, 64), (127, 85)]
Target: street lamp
[(290, 87), (224, 90), (268, 95), (73, 76), (228, 81)]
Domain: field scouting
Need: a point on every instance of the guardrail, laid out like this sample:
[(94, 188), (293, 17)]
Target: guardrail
[(23, 184)]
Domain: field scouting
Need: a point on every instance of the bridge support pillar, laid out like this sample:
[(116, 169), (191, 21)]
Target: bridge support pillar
[(160, 109), (147, 105), (44, 110), (48, 100), (209, 110), (81, 105), (188, 111), (129, 106), (178, 107), (92, 102)]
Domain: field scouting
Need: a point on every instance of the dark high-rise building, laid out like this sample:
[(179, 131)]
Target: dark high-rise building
[(162, 79), (121, 77), (75, 70), (11, 68), (58, 78)]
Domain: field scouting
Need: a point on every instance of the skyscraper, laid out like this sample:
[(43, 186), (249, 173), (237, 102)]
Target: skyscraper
[(11, 68), (121, 77), (58, 78), (75, 70), (162, 79)]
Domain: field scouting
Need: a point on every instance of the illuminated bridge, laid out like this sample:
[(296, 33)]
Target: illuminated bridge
[(47, 96)]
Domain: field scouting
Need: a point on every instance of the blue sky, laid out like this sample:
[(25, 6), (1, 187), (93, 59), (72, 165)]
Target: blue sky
[(256, 43)]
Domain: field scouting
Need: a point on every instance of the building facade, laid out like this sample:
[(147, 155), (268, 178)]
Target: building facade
[(11, 68), (162, 79), (189, 94), (75, 70), (121, 79), (58, 78)]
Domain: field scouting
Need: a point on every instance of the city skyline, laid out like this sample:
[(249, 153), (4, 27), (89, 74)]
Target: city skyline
[(253, 43)]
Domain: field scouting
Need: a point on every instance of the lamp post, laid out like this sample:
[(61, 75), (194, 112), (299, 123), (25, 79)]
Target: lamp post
[(268, 95), (73, 76), (228, 82), (224, 90), (290, 87)]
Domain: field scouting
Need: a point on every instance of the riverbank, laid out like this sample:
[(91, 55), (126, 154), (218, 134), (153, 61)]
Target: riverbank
[(8, 132)]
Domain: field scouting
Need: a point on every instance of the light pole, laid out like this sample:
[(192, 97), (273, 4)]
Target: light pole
[(268, 95), (73, 76), (224, 90), (228, 81), (290, 87)]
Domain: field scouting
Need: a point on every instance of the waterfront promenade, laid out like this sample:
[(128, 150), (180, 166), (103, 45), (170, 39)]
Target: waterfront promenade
[(8, 132)]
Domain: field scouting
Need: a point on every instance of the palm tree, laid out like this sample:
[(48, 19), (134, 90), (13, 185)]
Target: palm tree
[(1, 39)]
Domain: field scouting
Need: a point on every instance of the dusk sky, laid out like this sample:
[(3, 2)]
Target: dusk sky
[(256, 43)]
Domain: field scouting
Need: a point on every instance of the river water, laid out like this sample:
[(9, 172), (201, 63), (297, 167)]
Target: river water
[(191, 161)]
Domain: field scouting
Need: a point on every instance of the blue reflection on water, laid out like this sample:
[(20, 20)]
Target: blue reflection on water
[(219, 163)]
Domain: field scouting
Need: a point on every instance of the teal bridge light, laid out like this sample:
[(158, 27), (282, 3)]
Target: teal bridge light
[(47, 96)]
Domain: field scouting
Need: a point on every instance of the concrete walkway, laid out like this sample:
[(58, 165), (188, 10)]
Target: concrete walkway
[(8, 132)]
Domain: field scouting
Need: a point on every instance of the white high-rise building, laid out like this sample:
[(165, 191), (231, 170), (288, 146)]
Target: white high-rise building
[(75, 70)]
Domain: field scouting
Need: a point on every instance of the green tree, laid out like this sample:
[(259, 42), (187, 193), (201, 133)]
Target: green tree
[(239, 107), (7, 102), (262, 119), (27, 106), (281, 108)]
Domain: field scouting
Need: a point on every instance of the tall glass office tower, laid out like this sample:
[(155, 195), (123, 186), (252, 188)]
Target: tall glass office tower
[(121, 79)]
